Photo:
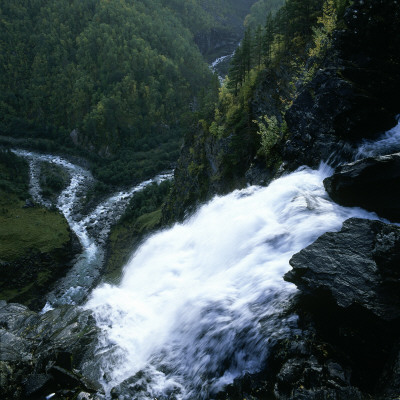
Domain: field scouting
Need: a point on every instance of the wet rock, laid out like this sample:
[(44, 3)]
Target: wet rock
[(39, 384), (141, 386), (357, 266), (41, 354), (349, 285), (372, 183)]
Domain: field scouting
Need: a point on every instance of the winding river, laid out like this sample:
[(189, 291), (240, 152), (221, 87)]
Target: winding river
[(92, 230)]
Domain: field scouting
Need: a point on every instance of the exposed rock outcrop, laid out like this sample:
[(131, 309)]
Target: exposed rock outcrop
[(372, 183), (44, 354), (354, 94), (350, 287), (357, 267)]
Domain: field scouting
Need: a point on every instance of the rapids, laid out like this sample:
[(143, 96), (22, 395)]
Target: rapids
[(92, 229), (200, 303), (387, 143)]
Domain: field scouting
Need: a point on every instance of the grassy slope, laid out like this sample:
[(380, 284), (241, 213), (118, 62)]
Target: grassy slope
[(26, 229), (35, 243)]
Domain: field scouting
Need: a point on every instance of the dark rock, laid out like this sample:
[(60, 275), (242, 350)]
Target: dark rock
[(350, 296), (40, 354), (207, 165), (356, 266), (372, 183), (312, 120), (64, 377), (39, 384), (354, 94)]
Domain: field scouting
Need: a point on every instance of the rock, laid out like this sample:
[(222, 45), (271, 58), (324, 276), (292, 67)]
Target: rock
[(354, 94), (372, 183), (349, 285), (312, 120), (29, 203), (358, 266), (64, 377), (40, 354), (39, 384), (74, 135)]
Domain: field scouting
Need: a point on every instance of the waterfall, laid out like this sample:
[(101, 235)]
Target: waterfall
[(388, 143), (200, 303)]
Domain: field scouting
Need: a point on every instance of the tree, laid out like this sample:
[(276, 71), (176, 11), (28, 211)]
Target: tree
[(268, 38)]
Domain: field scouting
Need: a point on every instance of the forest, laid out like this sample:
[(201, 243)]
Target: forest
[(120, 80)]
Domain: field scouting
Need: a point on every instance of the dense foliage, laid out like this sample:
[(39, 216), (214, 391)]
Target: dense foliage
[(125, 76), (259, 11), (295, 39)]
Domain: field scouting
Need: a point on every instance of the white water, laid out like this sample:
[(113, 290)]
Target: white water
[(92, 230), (214, 66), (199, 303), (388, 143)]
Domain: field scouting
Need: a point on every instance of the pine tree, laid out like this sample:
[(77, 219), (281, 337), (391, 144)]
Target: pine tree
[(258, 45), (268, 38)]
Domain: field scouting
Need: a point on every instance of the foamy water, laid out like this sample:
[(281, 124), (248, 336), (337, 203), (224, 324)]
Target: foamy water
[(199, 303), (388, 143)]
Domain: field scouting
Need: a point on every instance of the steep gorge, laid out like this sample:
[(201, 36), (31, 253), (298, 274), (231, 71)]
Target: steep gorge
[(213, 318)]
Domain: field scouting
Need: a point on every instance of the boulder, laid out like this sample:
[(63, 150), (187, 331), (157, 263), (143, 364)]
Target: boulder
[(349, 299), (358, 266), (372, 183), (45, 353)]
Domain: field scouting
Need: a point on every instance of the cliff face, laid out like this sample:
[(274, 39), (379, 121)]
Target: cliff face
[(348, 303), (353, 95)]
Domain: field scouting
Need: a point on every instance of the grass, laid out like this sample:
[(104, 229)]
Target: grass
[(23, 230)]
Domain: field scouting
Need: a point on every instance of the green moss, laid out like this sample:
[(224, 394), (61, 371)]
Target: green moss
[(147, 222)]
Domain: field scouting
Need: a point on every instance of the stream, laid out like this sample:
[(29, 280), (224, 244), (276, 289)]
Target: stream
[(92, 229)]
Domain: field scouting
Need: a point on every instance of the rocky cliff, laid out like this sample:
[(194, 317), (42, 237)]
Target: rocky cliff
[(348, 303), (41, 355), (352, 95)]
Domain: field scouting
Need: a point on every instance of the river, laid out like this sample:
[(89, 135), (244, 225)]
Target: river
[(202, 302), (92, 229)]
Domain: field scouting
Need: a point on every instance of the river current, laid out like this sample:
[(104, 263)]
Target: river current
[(200, 303)]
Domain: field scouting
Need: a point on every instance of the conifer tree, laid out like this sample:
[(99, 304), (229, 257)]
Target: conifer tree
[(268, 37), (258, 45)]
